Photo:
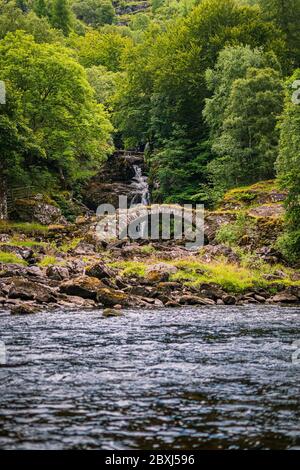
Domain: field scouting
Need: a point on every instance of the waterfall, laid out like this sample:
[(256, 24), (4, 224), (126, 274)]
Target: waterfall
[(141, 188), (141, 197)]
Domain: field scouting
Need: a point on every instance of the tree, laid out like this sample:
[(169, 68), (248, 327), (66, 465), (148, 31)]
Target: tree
[(100, 48), (165, 88), (286, 14), (16, 143), (247, 146), (288, 165), (94, 12), (41, 8), (72, 130), (61, 16), (13, 19)]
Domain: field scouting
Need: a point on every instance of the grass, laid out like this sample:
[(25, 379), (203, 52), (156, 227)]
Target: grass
[(24, 243), (230, 277), (47, 261), (7, 258), (130, 268), (147, 249), (23, 227)]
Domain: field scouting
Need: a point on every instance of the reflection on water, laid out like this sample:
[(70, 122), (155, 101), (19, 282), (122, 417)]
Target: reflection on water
[(192, 378)]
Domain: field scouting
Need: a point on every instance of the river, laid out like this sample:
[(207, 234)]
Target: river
[(192, 378)]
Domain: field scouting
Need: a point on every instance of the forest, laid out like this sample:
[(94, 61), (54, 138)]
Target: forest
[(207, 89)]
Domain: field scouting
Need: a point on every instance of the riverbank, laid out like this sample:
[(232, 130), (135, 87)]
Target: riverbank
[(66, 265)]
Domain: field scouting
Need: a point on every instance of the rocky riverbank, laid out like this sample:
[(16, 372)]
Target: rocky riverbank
[(66, 266)]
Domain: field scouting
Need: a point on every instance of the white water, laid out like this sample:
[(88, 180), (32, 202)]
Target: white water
[(140, 184), (141, 197)]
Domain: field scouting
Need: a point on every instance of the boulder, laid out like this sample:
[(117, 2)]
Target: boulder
[(229, 299), (36, 209), (23, 309), (209, 253), (111, 297), (195, 300), (100, 271), (83, 286), (58, 273), (284, 297), (160, 272), (22, 288), (112, 312)]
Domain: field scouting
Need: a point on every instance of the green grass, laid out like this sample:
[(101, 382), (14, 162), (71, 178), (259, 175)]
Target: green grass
[(147, 249), (29, 228), (24, 243), (7, 258), (47, 261), (130, 268), (230, 277)]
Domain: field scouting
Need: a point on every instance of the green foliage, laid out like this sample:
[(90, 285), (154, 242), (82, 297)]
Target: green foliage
[(94, 12), (100, 48), (165, 90), (59, 126), (288, 165), (242, 115), (232, 233), (10, 258), (61, 16)]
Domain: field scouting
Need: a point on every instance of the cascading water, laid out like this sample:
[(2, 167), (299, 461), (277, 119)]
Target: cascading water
[(140, 184), (141, 196)]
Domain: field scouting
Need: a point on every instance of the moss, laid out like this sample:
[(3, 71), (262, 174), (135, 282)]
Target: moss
[(11, 258)]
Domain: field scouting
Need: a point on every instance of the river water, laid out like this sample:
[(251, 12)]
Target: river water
[(192, 378)]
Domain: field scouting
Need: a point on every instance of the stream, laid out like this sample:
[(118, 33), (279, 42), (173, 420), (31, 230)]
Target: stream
[(190, 378)]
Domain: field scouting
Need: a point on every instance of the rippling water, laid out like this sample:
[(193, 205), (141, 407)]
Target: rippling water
[(190, 378)]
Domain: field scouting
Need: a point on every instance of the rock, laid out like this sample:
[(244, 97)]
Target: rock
[(4, 238), (75, 268), (112, 312), (172, 304), (259, 298), (220, 302), (111, 297), (21, 252), (212, 291), (58, 273), (284, 297), (83, 249), (36, 210), (72, 301), (195, 300), (163, 268), (229, 299), (83, 286), (209, 253), (25, 289), (23, 309), (295, 276), (168, 286), (160, 272), (100, 271)]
